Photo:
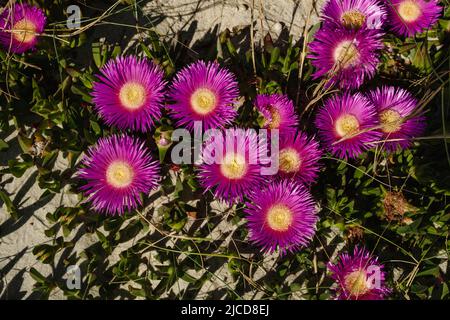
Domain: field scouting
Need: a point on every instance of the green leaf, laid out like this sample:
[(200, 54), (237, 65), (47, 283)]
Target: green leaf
[(81, 92), (420, 57), (25, 142), (274, 56), (95, 127), (97, 54), (444, 290), (188, 278), (231, 48), (147, 51), (411, 228), (38, 277), (18, 168), (430, 272)]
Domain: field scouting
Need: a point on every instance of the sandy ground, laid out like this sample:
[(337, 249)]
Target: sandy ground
[(17, 238)]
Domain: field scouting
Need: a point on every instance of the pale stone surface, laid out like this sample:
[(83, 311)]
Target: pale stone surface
[(268, 15)]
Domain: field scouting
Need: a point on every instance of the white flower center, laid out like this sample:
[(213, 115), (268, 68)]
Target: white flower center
[(24, 31), (233, 166), (203, 101), (356, 283), (391, 121), (132, 95), (276, 118), (346, 54), (353, 19), (346, 125), (279, 217), (409, 10), (290, 160), (119, 174)]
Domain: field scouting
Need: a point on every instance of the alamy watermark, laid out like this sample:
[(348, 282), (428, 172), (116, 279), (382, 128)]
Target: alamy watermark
[(373, 277), (73, 277)]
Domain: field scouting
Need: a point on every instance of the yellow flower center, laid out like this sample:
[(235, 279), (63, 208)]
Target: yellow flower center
[(132, 95), (203, 101), (347, 125), (276, 118), (409, 10), (289, 160), (24, 31), (356, 283), (279, 217), (346, 54), (233, 166), (391, 121), (353, 19), (119, 174)]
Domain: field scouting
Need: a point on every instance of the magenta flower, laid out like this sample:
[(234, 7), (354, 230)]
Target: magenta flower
[(395, 108), (408, 17), (347, 57), (130, 93), (347, 124), (281, 216), (20, 26), (354, 14), (231, 167), (204, 92), (359, 277), (278, 113), (299, 158), (117, 170)]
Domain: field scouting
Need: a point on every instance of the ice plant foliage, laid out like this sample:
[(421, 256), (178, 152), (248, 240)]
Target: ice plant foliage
[(230, 167), (359, 276), (346, 124), (203, 91), (395, 108), (408, 17), (347, 57), (277, 113), (299, 158), (117, 170), (20, 26), (354, 14), (129, 93), (281, 216)]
